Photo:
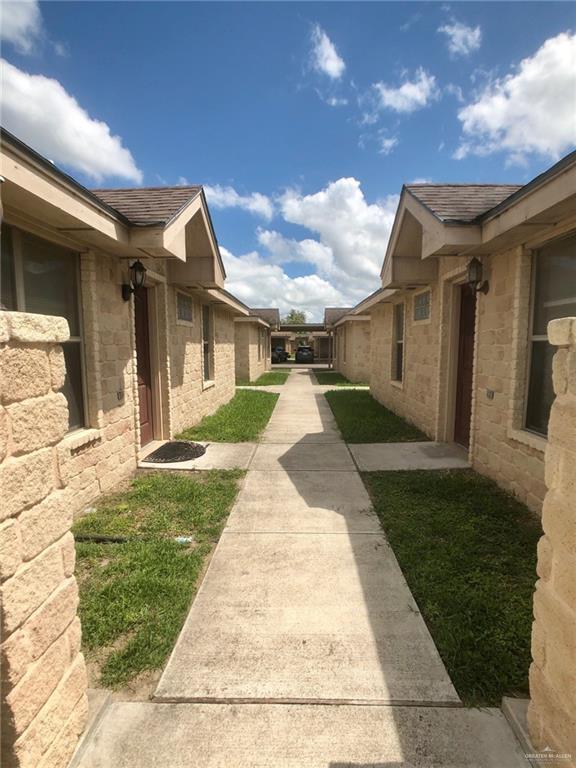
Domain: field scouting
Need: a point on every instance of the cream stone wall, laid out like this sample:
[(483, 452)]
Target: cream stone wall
[(191, 397), (250, 364), (500, 448), (552, 711), (96, 459), (44, 704), (416, 397), (356, 365)]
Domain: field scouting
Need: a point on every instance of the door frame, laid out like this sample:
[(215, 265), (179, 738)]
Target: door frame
[(156, 290), (449, 358), (155, 367), (456, 361)]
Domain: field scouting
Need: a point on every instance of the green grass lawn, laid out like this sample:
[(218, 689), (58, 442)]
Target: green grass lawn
[(336, 379), (134, 595), (468, 552), (361, 419), (268, 378), (242, 420)]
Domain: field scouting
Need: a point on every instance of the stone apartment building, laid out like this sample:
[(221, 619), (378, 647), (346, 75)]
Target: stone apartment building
[(253, 342), (94, 365), (350, 343), (471, 277), (141, 364)]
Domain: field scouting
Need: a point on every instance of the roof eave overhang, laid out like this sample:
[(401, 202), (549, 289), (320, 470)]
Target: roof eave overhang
[(223, 299), (252, 319), (351, 318), (370, 303)]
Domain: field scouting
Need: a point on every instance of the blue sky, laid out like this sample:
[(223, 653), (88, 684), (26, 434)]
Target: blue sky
[(301, 119)]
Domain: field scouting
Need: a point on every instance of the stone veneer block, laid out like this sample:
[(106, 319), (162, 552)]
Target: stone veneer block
[(24, 373), (552, 710), (31, 329), (10, 549), (38, 422), (562, 332), (25, 480)]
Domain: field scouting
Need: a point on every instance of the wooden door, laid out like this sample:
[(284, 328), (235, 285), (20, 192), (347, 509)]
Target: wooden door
[(465, 365), (144, 368)]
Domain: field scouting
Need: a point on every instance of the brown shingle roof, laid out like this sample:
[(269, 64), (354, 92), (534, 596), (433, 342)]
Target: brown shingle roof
[(269, 314), (461, 202), (333, 314), (148, 205)]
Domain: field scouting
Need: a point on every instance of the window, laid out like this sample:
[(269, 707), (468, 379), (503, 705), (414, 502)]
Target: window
[(184, 308), (42, 278), (207, 343), (398, 343), (554, 296), (259, 344), (422, 306), (344, 339)]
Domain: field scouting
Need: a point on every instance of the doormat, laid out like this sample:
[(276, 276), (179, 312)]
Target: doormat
[(176, 450)]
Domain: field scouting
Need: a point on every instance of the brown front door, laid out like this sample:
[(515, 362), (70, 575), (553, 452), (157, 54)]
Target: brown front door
[(144, 369), (465, 365)]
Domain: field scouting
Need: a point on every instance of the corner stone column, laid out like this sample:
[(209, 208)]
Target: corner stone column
[(43, 698), (552, 711)]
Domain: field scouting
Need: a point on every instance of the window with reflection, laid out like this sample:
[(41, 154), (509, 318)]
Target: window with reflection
[(41, 277), (553, 296)]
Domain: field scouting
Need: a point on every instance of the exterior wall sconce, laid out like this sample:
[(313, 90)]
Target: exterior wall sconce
[(475, 280), (137, 278)]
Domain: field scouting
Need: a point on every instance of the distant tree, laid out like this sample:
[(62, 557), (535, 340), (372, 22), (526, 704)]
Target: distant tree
[(294, 317)]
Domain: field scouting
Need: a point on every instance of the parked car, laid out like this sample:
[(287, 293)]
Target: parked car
[(279, 355), (304, 355)]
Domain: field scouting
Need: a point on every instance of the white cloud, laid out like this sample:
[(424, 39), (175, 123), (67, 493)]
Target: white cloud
[(335, 101), (261, 284), (21, 24), (408, 97), (354, 231), (228, 197), (455, 90), (282, 250), (387, 144), (532, 110), (462, 40), (325, 58), (345, 257), (43, 114)]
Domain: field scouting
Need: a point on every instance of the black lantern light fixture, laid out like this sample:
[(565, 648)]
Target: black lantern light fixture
[(137, 278), (475, 280)]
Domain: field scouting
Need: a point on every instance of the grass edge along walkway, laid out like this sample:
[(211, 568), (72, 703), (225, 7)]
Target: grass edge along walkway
[(136, 592), (362, 419), (335, 379), (241, 420), (468, 552), (270, 378)]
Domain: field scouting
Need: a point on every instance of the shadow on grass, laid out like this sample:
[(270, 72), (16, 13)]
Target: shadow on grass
[(361, 419)]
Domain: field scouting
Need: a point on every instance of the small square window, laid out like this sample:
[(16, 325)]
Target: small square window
[(422, 306), (184, 308)]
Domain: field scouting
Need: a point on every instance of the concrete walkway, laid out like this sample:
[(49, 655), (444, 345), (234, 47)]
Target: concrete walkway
[(303, 607)]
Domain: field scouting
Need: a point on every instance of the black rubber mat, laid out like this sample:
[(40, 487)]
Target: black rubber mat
[(176, 450)]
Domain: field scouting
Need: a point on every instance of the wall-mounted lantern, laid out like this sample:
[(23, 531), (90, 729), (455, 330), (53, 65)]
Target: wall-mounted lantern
[(137, 278), (475, 280)]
